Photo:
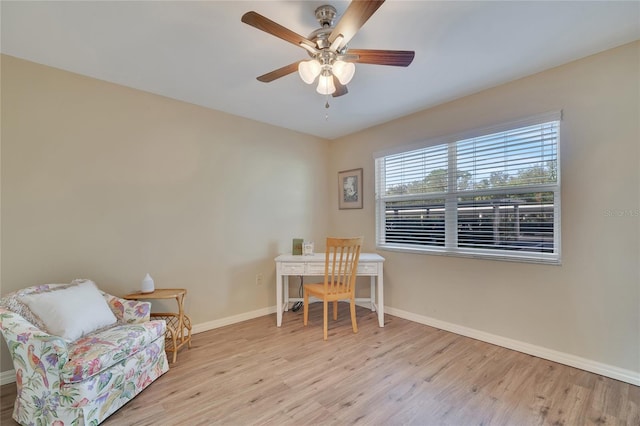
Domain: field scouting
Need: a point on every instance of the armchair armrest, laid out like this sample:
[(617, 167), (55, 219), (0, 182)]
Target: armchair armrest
[(38, 357), (129, 311)]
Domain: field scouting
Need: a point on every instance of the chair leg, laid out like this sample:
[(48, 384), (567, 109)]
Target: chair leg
[(326, 314), (306, 308), (352, 305), (335, 310)]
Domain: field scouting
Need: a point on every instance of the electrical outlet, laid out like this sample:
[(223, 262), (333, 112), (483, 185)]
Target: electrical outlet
[(259, 279)]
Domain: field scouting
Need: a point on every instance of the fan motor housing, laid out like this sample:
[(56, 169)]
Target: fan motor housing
[(321, 37)]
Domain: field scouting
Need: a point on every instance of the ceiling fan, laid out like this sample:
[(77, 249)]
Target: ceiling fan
[(332, 62)]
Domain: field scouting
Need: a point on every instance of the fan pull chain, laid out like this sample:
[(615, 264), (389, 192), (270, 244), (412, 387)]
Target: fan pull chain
[(326, 105)]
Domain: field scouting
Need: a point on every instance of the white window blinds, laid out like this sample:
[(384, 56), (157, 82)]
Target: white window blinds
[(494, 195)]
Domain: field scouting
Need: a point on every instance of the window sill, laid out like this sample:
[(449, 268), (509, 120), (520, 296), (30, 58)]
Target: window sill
[(545, 259)]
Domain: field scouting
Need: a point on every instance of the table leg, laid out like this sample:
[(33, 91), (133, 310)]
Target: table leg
[(180, 300), (174, 340)]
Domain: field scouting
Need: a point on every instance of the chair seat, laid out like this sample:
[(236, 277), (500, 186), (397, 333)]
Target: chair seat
[(317, 289)]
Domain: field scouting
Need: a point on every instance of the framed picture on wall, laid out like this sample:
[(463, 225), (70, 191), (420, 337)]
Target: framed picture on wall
[(350, 189)]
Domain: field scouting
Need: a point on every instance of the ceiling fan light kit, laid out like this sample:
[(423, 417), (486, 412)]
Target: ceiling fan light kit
[(325, 84), (344, 71), (311, 69), (332, 63)]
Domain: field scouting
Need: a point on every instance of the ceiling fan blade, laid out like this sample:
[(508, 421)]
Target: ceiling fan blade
[(354, 18), (397, 58), (280, 72), (267, 25), (341, 89)]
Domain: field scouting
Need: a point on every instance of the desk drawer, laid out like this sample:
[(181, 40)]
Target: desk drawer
[(315, 269), (367, 269), (293, 269)]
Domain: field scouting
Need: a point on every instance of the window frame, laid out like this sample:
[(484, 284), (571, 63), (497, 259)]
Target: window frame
[(451, 196)]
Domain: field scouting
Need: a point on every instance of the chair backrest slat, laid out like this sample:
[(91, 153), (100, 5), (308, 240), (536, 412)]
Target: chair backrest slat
[(341, 264)]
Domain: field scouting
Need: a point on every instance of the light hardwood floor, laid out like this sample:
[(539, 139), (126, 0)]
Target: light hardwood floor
[(403, 374)]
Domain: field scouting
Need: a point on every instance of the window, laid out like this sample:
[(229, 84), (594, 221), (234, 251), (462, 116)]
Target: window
[(494, 195)]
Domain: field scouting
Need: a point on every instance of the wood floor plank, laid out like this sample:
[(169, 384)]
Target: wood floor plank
[(254, 373)]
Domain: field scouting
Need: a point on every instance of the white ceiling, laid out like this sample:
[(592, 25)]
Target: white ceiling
[(200, 52)]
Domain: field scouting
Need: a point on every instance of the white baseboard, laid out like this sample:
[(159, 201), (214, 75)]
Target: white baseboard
[(613, 372), (210, 325), (8, 376), (596, 367)]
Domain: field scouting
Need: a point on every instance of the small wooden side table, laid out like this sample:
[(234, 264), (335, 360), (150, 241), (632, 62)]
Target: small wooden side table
[(178, 324)]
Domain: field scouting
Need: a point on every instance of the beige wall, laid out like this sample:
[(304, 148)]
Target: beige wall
[(587, 307), (109, 183)]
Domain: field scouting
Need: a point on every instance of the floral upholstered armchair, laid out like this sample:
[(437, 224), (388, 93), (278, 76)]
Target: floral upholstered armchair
[(79, 354)]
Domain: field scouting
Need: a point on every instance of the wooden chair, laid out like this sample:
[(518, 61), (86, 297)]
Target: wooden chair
[(340, 268)]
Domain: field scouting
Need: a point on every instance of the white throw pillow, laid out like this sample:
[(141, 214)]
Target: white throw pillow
[(72, 312)]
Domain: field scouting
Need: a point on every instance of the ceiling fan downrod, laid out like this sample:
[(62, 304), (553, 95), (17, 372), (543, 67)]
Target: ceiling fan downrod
[(325, 15)]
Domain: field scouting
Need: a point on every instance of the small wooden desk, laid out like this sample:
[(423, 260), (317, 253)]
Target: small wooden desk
[(178, 325), (369, 264)]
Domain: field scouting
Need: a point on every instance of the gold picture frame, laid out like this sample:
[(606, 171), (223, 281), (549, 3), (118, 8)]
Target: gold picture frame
[(350, 189)]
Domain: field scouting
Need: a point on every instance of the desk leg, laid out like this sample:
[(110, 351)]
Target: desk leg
[(373, 293), (278, 296), (286, 293), (380, 299)]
